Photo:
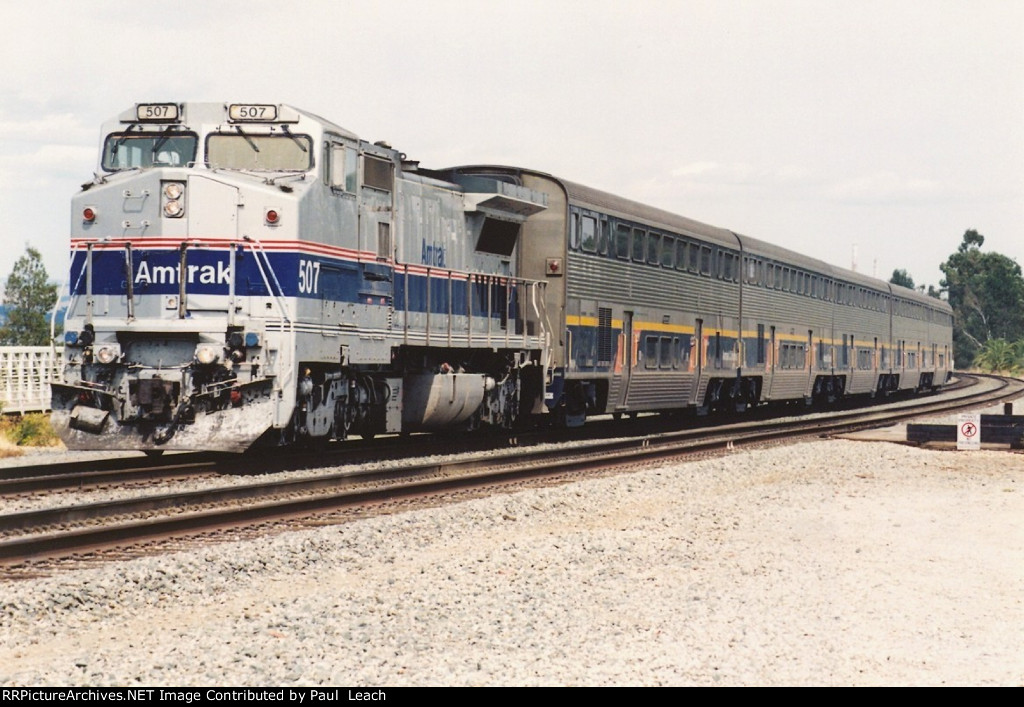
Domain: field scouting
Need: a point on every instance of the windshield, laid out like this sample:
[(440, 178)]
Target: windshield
[(128, 151), (260, 152)]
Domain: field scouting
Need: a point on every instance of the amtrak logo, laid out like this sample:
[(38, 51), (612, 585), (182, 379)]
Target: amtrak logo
[(219, 274), (432, 255)]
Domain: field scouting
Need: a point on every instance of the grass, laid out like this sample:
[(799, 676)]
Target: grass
[(8, 448), (32, 430)]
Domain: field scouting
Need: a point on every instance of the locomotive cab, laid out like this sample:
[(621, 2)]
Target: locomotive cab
[(251, 272)]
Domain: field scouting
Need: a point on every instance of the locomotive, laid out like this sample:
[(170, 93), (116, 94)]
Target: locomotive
[(252, 274)]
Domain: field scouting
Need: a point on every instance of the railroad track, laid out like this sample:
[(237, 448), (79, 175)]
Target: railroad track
[(28, 537), (33, 480), (51, 478)]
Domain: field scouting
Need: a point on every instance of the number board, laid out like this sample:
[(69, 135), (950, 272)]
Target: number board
[(252, 112), (157, 112)]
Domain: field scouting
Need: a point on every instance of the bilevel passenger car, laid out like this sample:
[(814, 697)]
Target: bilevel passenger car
[(247, 274)]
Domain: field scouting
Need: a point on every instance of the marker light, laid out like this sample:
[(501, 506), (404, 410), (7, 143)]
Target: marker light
[(88, 214), (273, 217)]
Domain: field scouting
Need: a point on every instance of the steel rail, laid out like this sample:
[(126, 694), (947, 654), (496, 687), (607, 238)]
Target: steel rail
[(277, 499), (81, 475)]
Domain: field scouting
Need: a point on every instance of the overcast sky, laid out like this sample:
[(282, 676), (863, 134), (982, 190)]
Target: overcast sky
[(886, 127)]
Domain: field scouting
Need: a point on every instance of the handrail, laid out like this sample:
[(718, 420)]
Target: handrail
[(544, 322), (88, 283), (129, 279), (278, 298), (183, 280), (65, 286), (285, 364), (525, 294)]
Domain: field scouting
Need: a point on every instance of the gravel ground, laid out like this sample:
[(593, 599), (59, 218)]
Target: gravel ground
[(826, 563)]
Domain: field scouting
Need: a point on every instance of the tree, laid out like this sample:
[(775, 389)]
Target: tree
[(902, 278), (29, 298), (999, 355), (986, 292)]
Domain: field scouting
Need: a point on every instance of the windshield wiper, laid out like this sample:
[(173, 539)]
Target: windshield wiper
[(121, 140), (164, 137), (252, 143), (297, 141)]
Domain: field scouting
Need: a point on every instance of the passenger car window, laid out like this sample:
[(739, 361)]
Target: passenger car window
[(651, 352), (727, 267), (681, 247), (588, 234), (668, 251), (639, 245), (653, 248), (602, 237), (622, 241), (694, 265)]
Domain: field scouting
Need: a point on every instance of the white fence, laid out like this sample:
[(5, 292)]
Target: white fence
[(25, 374)]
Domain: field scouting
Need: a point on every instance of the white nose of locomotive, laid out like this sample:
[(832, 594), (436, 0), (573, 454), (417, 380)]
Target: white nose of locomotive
[(149, 204)]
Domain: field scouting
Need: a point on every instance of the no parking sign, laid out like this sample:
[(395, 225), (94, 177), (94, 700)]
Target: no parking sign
[(968, 431)]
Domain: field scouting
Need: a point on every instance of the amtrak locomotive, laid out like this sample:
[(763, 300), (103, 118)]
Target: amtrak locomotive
[(252, 273)]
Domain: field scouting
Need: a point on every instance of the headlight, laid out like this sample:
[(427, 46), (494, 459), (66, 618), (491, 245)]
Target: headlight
[(173, 198), (207, 354), (173, 209), (108, 353)]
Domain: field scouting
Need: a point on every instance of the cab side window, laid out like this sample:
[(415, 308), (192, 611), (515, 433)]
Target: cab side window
[(342, 167)]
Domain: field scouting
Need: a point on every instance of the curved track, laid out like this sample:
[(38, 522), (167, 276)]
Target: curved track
[(137, 470), (70, 530)]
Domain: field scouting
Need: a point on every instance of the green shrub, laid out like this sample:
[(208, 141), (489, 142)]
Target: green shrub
[(1001, 356), (31, 430)]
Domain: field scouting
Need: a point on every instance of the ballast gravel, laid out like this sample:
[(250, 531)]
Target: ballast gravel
[(824, 563)]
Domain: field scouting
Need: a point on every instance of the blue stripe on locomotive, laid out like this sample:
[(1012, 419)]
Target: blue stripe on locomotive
[(297, 274), (459, 291)]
